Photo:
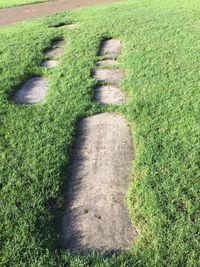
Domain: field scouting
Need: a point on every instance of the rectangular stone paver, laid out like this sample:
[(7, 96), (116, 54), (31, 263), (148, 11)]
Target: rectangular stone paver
[(96, 215)]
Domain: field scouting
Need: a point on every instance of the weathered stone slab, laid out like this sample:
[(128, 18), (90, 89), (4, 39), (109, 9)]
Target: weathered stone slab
[(111, 76), (109, 95), (57, 50), (33, 91), (107, 62), (49, 64), (96, 215), (68, 26), (64, 25), (111, 48)]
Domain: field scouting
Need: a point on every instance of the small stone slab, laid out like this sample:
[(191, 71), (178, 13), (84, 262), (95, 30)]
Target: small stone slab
[(111, 48), (33, 91), (96, 215), (68, 26), (107, 62), (111, 76), (109, 95), (49, 64), (57, 50)]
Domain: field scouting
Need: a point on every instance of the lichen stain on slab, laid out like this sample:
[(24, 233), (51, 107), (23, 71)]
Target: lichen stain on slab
[(111, 76), (109, 95), (96, 215), (57, 49), (33, 91), (49, 64), (110, 48)]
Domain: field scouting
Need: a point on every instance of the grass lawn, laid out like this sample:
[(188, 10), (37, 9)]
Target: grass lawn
[(10, 3), (162, 58)]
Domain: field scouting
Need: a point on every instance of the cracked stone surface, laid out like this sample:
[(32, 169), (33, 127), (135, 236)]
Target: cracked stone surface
[(111, 48), (33, 91), (49, 64), (96, 215), (110, 76), (109, 95)]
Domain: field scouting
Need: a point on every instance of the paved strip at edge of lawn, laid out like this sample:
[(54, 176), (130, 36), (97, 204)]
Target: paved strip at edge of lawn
[(22, 13)]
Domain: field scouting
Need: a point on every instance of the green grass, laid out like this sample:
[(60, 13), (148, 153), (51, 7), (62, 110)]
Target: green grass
[(161, 56), (11, 3)]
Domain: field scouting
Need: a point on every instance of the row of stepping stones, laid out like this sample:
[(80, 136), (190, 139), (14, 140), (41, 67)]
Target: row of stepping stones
[(34, 90), (96, 215), (109, 93)]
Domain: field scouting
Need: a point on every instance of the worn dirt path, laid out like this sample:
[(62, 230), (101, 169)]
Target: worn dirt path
[(17, 14)]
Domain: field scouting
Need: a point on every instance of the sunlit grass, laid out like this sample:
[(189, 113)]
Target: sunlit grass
[(161, 58)]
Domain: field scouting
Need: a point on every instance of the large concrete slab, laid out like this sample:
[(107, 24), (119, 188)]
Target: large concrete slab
[(109, 95), (33, 91), (96, 215), (111, 48), (110, 76)]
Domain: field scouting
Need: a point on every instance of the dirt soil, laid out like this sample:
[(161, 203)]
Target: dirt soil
[(96, 215), (17, 14)]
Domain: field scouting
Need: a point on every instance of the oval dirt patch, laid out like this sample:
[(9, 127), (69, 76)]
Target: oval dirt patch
[(111, 48), (96, 216), (110, 76), (33, 91), (109, 95)]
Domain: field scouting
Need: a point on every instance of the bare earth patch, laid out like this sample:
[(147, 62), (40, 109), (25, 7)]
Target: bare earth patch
[(49, 64), (110, 76), (57, 50), (109, 95), (33, 91), (111, 48), (96, 216), (107, 62)]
